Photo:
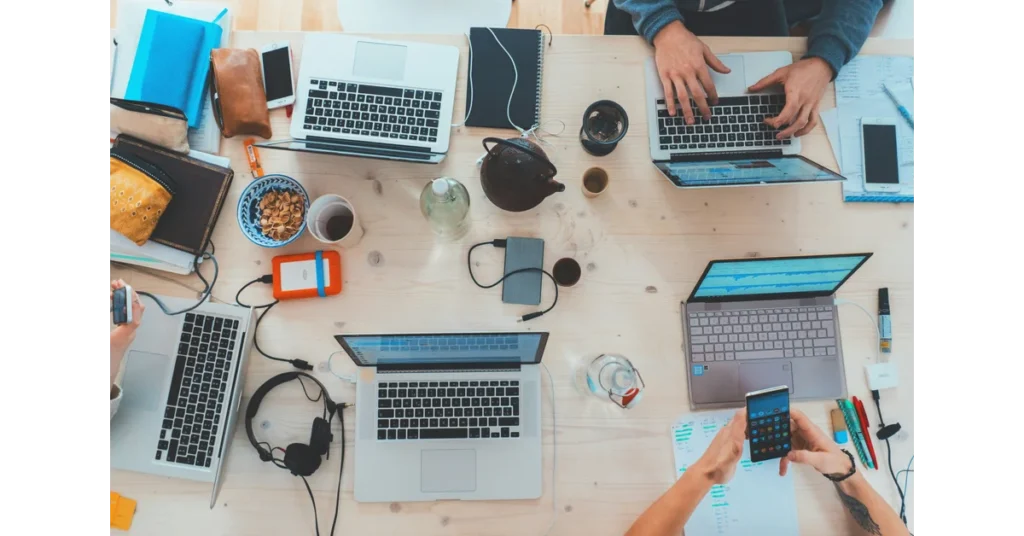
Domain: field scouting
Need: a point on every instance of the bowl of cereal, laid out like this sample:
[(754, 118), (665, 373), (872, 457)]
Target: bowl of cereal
[(272, 210)]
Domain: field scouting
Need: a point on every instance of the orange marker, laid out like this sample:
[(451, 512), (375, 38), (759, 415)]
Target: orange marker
[(254, 158)]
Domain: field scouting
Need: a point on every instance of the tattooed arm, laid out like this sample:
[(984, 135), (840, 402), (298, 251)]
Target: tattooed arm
[(868, 509)]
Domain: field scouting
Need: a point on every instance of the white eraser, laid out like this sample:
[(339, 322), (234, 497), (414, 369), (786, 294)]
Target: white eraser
[(882, 376)]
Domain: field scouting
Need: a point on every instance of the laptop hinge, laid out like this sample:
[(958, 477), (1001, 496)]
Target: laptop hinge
[(450, 367), (713, 157)]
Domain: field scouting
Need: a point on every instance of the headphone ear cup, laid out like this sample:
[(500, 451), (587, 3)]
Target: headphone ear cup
[(320, 438), (301, 459)]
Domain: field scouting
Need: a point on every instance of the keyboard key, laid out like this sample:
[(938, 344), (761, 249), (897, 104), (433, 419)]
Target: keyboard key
[(444, 433)]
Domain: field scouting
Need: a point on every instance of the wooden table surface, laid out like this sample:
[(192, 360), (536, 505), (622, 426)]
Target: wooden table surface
[(642, 245)]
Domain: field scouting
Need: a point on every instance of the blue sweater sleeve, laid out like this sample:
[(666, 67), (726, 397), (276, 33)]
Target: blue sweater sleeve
[(840, 30), (650, 16)]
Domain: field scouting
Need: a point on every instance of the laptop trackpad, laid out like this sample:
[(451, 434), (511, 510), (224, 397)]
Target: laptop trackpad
[(755, 376), (379, 60), (143, 381), (734, 83), (448, 470)]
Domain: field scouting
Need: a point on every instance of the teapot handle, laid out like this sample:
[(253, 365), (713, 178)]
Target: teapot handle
[(526, 150)]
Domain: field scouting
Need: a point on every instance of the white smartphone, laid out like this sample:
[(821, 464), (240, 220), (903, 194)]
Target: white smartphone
[(881, 163), (276, 59)]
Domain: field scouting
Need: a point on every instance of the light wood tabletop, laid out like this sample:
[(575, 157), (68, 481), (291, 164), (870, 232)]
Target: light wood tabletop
[(642, 246)]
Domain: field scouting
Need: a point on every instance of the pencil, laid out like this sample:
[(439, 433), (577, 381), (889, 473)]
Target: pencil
[(864, 428)]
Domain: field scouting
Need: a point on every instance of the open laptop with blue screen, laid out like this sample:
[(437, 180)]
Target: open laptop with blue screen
[(734, 147), (755, 323), (447, 416)]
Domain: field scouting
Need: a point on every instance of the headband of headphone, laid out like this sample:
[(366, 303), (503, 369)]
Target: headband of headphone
[(300, 459)]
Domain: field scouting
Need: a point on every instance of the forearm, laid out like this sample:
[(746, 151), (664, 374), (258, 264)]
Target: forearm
[(669, 513), (868, 509), (841, 29), (650, 16)]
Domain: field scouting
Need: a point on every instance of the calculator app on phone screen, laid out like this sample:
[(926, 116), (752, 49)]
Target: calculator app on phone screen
[(768, 423)]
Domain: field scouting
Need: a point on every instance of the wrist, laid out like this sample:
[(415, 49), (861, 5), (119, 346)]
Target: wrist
[(669, 31), (820, 65), (697, 476), (842, 467)]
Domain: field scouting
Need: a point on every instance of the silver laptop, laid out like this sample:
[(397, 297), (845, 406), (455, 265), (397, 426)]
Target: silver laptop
[(447, 416), (181, 387), (380, 99), (735, 147), (756, 323)]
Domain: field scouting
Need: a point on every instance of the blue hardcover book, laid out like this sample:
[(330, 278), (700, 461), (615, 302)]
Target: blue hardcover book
[(173, 62)]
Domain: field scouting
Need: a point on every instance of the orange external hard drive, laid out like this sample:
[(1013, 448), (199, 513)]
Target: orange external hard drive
[(307, 275)]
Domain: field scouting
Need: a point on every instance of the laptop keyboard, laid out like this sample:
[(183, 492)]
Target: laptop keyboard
[(369, 110), (448, 410), (195, 402), (735, 122), (762, 334)]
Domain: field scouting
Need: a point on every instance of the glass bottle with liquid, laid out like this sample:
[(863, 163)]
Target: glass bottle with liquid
[(444, 202), (610, 377)]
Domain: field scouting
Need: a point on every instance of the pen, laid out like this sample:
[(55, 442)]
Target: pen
[(865, 429), (884, 322), (902, 109)]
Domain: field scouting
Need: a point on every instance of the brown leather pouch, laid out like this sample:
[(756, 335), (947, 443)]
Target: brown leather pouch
[(239, 100)]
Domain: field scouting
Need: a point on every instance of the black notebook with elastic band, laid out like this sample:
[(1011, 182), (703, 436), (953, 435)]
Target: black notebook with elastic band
[(492, 76), (201, 188)]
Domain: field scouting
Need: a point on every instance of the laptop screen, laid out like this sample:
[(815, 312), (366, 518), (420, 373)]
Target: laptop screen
[(752, 279), (449, 348), (758, 170)]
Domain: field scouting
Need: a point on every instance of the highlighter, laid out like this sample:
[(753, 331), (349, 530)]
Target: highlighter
[(884, 322), (839, 432)]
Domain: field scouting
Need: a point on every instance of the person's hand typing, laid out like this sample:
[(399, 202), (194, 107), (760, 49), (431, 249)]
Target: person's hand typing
[(812, 446), (683, 61), (804, 82), (719, 461), (121, 336)]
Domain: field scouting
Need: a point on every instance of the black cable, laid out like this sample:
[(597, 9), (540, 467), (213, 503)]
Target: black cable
[(500, 243), (341, 465), (888, 448), (316, 519), (269, 278), (208, 287)]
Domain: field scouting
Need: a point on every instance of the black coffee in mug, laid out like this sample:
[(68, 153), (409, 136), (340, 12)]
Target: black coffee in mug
[(339, 225)]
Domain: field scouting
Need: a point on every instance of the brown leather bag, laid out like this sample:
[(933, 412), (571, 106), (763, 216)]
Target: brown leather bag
[(239, 100)]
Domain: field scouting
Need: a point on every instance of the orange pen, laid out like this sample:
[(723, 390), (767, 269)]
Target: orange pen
[(864, 428)]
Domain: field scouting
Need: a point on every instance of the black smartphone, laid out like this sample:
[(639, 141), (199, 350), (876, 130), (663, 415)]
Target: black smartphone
[(121, 306), (768, 423), (524, 287)]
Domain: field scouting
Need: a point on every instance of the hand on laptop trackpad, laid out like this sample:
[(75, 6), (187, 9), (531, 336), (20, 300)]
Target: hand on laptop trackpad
[(755, 376), (733, 83), (448, 470)]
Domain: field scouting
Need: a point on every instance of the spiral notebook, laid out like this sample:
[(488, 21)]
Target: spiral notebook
[(492, 76)]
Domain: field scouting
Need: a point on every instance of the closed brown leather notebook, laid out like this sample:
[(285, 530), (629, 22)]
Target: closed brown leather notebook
[(201, 189)]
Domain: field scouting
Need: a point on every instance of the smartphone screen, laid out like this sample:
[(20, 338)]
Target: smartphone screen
[(277, 73), (120, 306), (768, 423), (880, 164)]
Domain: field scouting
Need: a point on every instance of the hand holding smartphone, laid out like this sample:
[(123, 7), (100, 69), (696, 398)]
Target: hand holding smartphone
[(768, 423), (121, 305)]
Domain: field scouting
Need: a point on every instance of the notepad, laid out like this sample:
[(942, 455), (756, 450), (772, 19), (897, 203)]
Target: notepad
[(172, 62), (756, 501), (492, 76)]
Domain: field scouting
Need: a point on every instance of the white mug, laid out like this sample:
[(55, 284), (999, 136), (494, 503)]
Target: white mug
[(333, 220)]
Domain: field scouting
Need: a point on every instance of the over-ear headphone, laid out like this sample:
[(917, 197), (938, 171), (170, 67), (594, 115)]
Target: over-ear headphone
[(300, 459)]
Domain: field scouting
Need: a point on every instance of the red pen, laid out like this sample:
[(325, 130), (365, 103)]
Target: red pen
[(864, 429)]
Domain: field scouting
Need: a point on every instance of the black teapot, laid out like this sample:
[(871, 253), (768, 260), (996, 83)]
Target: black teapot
[(516, 175)]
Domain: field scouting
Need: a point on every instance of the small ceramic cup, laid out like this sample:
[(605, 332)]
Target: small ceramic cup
[(595, 182), (333, 220)]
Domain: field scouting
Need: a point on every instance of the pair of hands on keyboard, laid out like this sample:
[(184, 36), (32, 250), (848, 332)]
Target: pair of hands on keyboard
[(683, 61), (121, 336)]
